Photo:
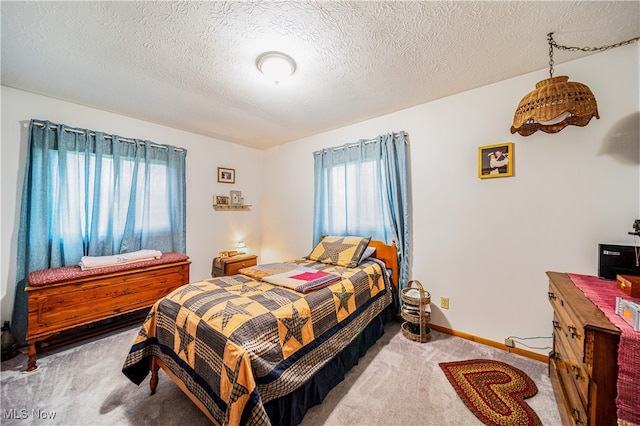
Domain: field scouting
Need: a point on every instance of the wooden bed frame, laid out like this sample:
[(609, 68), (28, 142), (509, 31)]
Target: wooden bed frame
[(388, 253), (69, 303)]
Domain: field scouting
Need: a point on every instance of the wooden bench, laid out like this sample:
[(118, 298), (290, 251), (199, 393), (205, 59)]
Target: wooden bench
[(64, 298)]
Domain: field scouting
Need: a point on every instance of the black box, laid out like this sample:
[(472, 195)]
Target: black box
[(616, 259)]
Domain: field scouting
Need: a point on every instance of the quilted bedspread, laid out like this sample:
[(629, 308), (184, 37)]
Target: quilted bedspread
[(236, 342)]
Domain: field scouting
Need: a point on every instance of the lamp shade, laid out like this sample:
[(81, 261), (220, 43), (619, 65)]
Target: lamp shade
[(554, 104), (276, 66)]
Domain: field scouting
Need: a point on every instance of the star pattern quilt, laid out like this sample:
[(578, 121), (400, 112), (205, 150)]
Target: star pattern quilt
[(237, 342)]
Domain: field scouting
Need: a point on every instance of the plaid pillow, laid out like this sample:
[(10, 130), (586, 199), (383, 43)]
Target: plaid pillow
[(340, 251)]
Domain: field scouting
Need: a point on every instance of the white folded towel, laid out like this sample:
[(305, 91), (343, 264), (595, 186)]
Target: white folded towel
[(94, 262)]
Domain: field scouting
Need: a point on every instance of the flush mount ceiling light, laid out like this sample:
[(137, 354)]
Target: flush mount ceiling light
[(276, 66), (557, 102)]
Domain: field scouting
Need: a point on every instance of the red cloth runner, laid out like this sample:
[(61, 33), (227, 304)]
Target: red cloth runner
[(602, 293), (67, 273)]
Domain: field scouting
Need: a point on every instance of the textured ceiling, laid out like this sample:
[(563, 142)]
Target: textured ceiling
[(191, 65)]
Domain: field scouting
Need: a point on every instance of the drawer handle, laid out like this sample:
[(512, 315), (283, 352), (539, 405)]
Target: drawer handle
[(577, 371), (574, 331), (556, 325), (552, 295), (576, 416)]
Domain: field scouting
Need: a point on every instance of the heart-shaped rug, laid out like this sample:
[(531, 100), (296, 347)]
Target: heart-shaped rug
[(493, 391)]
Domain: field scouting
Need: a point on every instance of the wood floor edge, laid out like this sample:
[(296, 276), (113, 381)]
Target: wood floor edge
[(523, 352)]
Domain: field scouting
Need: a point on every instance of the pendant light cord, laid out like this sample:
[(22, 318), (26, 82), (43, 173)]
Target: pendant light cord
[(552, 44)]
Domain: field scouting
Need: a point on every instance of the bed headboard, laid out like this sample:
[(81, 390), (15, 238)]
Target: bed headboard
[(388, 253)]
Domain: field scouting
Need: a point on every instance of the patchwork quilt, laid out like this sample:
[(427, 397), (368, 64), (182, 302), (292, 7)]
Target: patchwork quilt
[(236, 342), (296, 277)]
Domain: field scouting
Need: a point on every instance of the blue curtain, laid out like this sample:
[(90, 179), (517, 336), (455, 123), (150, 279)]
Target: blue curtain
[(363, 189), (89, 193)]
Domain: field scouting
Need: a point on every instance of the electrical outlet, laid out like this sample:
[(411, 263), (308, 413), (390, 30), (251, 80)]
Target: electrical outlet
[(444, 302), (509, 342)]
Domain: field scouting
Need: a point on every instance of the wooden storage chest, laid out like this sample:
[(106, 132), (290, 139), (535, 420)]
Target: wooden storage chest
[(83, 299), (629, 284)]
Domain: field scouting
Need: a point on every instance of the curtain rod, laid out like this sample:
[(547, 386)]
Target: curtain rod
[(354, 145), (107, 136)]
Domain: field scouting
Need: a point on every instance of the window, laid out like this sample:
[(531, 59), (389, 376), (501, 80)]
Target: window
[(110, 199), (363, 189), (353, 201), (87, 193)]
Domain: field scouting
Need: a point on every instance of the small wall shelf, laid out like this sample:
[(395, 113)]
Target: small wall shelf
[(230, 207)]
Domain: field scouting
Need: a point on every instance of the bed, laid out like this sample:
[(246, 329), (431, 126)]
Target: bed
[(247, 351)]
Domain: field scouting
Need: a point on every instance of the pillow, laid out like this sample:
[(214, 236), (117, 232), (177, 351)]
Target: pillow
[(340, 251), (368, 252)]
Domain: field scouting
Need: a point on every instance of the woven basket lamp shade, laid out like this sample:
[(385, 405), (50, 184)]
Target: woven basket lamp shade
[(554, 104)]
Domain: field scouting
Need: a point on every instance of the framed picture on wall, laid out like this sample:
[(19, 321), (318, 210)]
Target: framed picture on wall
[(495, 160), (236, 198), (226, 175), (222, 200)]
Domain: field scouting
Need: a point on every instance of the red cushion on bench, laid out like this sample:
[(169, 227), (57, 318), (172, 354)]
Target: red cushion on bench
[(67, 273)]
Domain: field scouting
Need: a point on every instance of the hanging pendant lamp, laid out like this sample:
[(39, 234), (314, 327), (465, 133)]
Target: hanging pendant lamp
[(557, 102), (554, 104)]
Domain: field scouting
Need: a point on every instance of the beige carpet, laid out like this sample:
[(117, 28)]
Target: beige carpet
[(398, 382)]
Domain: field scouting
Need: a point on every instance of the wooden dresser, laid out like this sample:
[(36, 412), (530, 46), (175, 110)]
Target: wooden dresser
[(583, 365)]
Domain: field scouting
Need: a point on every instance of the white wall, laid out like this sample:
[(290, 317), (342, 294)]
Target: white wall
[(486, 243), (208, 231)]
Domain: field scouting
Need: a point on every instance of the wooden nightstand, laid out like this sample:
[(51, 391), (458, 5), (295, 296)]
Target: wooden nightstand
[(231, 265)]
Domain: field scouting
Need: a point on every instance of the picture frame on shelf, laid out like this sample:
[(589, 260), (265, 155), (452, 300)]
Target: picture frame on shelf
[(224, 253), (236, 198), (222, 200), (226, 175), (496, 160)]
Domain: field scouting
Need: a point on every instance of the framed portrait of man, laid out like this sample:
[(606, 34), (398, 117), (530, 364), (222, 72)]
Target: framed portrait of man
[(495, 160)]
